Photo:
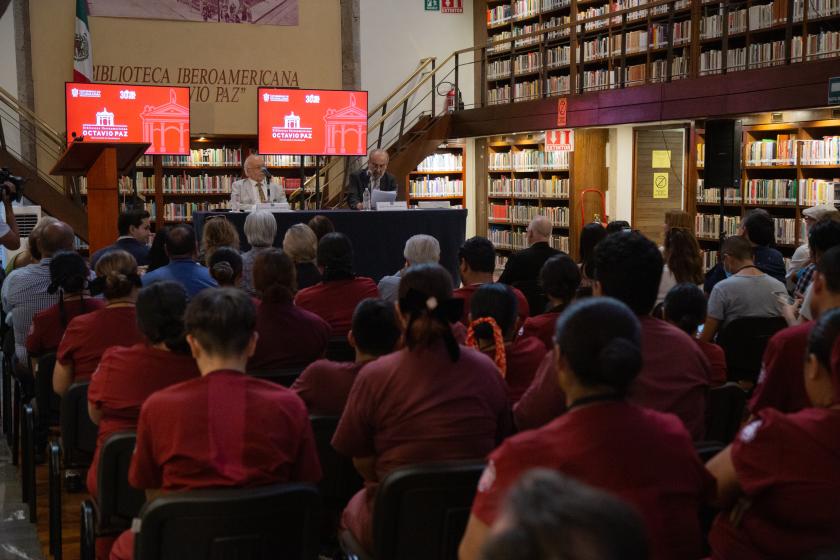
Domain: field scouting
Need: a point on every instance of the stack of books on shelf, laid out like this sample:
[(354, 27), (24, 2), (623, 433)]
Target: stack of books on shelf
[(762, 55), (558, 56), (498, 69), (499, 95), (442, 162), (498, 46), (289, 161), (527, 160), (785, 230), (175, 212), (499, 187), (523, 214), (198, 184), (555, 187), (523, 9), (145, 185), (764, 15), (781, 151), (816, 9), (500, 161), (600, 79), (825, 151), (707, 226), (216, 157), (499, 213), (507, 239), (559, 242), (554, 22), (555, 85), (596, 49), (555, 160), (770, 191), (526, 188), (526, 30), (499, 15), (594, 12), (817, 191), (634, 74), (433, 187), (548, 5), (559, 215), (526, 90), (636, 41), (712, 196), (710, 259), (659, 68), (527, 62)]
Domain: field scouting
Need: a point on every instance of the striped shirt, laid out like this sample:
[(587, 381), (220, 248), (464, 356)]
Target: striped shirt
[(25, 294)]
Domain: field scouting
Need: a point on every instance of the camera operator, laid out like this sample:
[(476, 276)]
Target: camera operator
[(9, 237)]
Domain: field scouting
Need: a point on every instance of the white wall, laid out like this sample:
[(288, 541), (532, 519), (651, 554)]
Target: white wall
[(8, 75), (620, 161)]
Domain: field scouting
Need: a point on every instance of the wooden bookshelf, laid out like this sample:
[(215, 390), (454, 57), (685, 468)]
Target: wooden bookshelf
[(440, 177), (543, 48), (523, 181), (785, 168)]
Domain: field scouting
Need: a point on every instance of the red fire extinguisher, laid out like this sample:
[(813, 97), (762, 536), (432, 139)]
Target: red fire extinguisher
[(450, 100)]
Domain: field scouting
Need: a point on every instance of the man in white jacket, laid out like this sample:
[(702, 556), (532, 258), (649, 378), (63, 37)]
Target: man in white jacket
[(255, 188)]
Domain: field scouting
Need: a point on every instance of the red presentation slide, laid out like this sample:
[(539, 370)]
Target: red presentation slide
[(159, 115), (313, 122)]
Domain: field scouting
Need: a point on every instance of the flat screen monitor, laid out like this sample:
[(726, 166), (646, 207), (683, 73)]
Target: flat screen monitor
[(313, 122), (159, 115)]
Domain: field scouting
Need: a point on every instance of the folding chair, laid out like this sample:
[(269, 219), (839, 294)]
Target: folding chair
[(725, 407), (743, 341)]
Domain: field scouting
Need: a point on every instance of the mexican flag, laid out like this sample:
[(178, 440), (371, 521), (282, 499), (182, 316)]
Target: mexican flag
[(83, 54)]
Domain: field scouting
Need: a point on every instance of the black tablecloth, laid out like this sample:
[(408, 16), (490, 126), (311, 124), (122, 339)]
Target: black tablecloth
[(378, 237)]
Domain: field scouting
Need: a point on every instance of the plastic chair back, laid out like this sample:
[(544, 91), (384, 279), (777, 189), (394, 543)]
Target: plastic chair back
[(743, 341), (269, 522), (118, 501), (340, 479), (49, 404), (78, 432), (724, 412), (421, 511)]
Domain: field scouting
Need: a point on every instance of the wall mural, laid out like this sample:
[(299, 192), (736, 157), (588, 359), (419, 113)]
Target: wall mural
[(259, 12)]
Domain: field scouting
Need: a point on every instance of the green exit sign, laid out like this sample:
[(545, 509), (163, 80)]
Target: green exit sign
[(432, 5), (834, 91)]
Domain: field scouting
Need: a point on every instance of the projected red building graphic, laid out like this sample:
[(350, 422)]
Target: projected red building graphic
[(345, 125), (164, 121)]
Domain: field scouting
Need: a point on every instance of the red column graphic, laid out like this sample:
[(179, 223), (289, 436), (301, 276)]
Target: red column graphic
[(339, 123), (163, 119)]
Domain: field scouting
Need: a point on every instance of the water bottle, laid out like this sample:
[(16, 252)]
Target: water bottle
[(366, 200)]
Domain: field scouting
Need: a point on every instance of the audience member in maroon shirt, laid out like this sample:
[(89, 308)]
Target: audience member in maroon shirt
[(641, 456), (289, 336), (780, 384), (685, 308), (224, 429), (126, 377), (548, 515), (325, 385), (335, 298), (88, 336), (676, 374), (493, 326), (431, 401), (69, 274), (778, 482), (560, 279), (476, 265)]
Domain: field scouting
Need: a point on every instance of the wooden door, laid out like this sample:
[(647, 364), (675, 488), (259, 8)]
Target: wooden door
[(659, 158)]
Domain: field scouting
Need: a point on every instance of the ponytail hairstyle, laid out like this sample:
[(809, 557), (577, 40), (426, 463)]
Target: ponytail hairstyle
[(160, 315), (425, 300), (335, 256), (116, 275), (68, 276), (682, 255), (685, 307), (493, 309), (225, 266), (275, 276), (600, 340)]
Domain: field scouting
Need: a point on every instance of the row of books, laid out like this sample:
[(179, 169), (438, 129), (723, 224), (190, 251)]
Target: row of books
[(499, 47), (781, 151), (762, 55), (659, 69), (513, 239), (528, 160), (712, 196), (825, 151), (708, 225), (526, 90), (499, 14), (815, 9), (785, 230), (501, 262), (523, 214), (523, 9), (558, 56), (825, 44), (770, 191), (805, 192), (632, 41), (556, 85), (181, 211), (435, 187), (680, 33), (220, 157), (555, 187), (710, 259), (442, 162), (527, 62), (817, 191), (498, 95), (498, 69)]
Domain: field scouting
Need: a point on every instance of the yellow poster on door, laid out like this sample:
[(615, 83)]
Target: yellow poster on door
[(661, 159), (660, 185)]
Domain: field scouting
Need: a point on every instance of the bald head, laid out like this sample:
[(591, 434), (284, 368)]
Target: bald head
[(539, 230), (56, 237), (253, 167)]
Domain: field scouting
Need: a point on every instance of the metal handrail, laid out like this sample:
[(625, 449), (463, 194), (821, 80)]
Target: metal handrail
[(10, 100), (423, 63)]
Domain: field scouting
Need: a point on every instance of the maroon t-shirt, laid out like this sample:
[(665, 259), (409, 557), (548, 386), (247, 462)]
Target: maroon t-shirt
[(781, 384), (717, 360), (125, 378), (542, 327), (288, 336), (523, 356), (543, 401), (88, 336), (675, 375), (467, 292), (336, 300), (418, 406), (222, 430), (787, 466), (47, 330), (644, 457), (325, 385)]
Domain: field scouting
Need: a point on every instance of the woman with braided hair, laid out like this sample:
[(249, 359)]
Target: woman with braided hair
[(493, 328), (434, 400), (88, 336)]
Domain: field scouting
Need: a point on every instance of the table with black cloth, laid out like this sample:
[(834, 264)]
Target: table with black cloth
[(378, 236)]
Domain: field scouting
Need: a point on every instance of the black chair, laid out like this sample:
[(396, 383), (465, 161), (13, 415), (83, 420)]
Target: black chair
[(7, 389), (340, 480), (725, 406), (534, 293), (269, 522), (339, 350), (283, 376), (420, 512), (27, 463), (48, 403), (117, 502), (743, 341), (78, 443), (706, 450)]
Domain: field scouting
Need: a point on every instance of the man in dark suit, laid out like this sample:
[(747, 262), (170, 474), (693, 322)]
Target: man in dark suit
[(522, 269), (375, 177), (134, 228)]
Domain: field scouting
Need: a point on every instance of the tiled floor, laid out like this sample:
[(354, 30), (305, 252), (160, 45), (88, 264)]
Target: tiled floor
[(18, 537)]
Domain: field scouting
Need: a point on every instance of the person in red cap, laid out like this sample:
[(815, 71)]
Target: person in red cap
[(778, 483)]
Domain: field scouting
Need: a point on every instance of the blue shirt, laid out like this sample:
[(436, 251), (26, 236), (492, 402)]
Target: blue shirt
[(136, 249), (191, 275)]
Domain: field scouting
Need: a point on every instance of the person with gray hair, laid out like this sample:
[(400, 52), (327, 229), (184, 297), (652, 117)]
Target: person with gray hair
[(374, 177), (522, 269), (419, 249), (260, 231), (255, 188)]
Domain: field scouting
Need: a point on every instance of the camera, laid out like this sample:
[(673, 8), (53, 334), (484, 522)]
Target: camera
[(7, 177)]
